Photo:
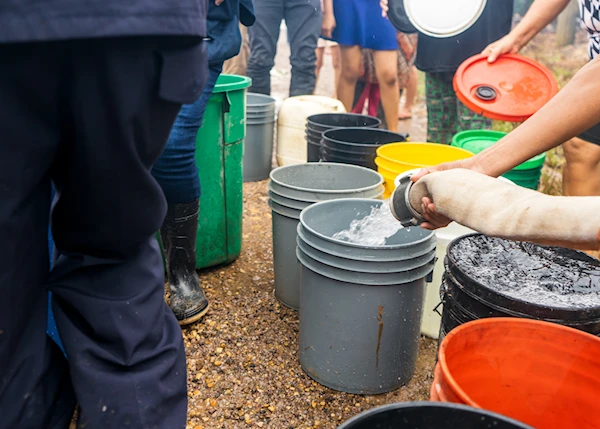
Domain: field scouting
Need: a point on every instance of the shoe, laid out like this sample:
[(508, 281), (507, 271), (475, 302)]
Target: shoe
[(178, 234)]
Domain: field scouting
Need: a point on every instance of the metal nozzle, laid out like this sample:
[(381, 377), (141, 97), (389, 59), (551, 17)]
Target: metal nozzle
[(400, 203)]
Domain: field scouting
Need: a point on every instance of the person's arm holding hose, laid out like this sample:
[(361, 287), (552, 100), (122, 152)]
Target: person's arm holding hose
[(569, 113), (540, 14)]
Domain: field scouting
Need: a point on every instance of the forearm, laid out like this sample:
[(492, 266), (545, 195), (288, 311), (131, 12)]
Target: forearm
[(573, 110), (540, 14), (327, 7)]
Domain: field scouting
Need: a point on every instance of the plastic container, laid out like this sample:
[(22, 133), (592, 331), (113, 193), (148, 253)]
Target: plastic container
[(360, 308), (219, 156), (540, 373), (427, 415), (258, 145), (526, 174), (291, 125), (468, 297), (356, 146), (316, 125), (293, 188), (393, 159)]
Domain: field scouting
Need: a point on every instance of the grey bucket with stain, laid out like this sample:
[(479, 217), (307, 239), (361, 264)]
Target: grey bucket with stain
[(360, 306)]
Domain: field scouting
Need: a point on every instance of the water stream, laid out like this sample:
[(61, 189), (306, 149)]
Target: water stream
[(372, 230)]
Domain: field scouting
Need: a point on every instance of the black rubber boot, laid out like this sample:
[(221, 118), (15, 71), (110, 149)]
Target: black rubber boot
[(178, 235)]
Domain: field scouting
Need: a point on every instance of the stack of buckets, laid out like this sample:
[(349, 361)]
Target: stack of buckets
[(293, 188), (526, 175), (396, 158), (316, 125), (360, 305)]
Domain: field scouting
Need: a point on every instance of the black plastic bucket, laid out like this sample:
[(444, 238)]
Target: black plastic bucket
[(475, 283), (357, 146), (430, 415), (316, 125)]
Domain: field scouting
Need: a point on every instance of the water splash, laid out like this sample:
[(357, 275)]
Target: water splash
[(372, 230)]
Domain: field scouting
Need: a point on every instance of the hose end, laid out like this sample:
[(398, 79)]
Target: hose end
[(399, 201)]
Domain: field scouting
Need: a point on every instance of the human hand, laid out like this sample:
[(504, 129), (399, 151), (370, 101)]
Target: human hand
[(384, 7), (328, 25), (506, 45), (218, 2), (434, 219)]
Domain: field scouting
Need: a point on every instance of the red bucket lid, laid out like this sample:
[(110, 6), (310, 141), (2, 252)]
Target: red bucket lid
[(511, 89)]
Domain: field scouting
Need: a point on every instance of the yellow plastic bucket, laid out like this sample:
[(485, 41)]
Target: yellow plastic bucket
[(395, 158)]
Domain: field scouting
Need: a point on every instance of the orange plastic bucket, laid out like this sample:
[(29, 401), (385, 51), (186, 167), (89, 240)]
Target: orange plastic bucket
[(542, 374)]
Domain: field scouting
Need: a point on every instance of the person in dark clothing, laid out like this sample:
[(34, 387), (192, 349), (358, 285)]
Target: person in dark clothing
[(439, 58), (176, 169), (87, 101), (303, 21)]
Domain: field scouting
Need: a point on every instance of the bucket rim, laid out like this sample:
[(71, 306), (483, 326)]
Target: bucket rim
[(348, 424), (274, 172), (374, 145), (316, 206), (313, 119), (498, 300), (496, 320), (231, 82), (269, 101), (418, 273), (389, 146)]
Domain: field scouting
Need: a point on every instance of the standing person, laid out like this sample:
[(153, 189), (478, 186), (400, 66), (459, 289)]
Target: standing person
[(581, 174), (176, 169), (567, 114), (439, 58), (336, 61), (358, 25), (238, 64), (87, 101), (411, 86), (303, 21)]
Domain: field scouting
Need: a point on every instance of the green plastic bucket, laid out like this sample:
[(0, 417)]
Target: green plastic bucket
[(526, 174), (219, 156)]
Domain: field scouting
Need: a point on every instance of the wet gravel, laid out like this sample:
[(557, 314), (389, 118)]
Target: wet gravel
[(243, 368)]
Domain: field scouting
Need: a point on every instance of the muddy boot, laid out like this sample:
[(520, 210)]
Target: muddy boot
[(178, 235)]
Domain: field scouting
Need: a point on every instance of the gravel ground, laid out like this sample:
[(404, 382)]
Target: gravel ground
[(243, 356)]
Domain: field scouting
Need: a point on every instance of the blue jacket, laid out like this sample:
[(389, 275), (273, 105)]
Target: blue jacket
[(223, 29)]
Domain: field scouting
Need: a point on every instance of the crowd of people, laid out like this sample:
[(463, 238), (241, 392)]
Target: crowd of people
[(102, 101)]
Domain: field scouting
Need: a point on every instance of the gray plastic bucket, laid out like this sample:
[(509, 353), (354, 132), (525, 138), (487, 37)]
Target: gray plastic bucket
[(360, 318), (258, 144), (292, 189)]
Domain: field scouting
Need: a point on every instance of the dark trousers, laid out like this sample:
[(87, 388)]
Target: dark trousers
[(176, 170), (92, 117), (303, 21)]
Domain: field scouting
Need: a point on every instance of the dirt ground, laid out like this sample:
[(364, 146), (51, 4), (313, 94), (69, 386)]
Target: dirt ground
[(243, 356)]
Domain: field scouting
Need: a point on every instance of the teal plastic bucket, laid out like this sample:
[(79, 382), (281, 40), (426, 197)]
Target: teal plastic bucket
[(526, 174)]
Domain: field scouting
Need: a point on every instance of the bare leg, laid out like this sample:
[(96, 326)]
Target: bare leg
[(336, 60), (386, 69), (351, 57), (411, 93), (581, 176), (320, 53)]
